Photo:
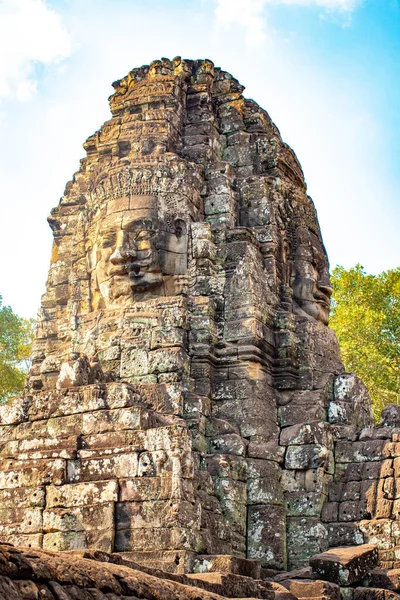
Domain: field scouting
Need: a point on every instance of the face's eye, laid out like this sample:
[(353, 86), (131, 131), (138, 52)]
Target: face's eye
[(108, 241), (146, 234)]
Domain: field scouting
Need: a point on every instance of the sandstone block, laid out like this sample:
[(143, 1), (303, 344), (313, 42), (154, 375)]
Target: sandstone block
[(76, 540), (307, 504), (230, 443), (59, 427), (147, 539), (81, 494), (121, 465), (227, 564), (381, 578), (345, 565), (18, 520), (264, 490), (308, 456), (22, 497), (232, 496), (227, 466), (33, 473), (157, 513), (363, 593), (16, 411), (316, 432), (169, 561), (116, 419), (312, 589), (305, 535), (266, 527)]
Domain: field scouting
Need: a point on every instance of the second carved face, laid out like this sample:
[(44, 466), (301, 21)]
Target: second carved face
[(127, 260), (309, 278)]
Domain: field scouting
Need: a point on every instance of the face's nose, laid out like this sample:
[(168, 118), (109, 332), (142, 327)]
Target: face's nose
[(324, 284), (122, 250)]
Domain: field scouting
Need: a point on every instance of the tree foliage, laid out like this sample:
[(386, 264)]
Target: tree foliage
[(366, 318), (16, 336)]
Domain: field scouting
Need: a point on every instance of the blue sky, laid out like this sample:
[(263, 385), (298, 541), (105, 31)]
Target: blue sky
[(327, 71)]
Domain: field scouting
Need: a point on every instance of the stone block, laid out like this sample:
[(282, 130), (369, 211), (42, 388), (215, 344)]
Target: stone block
[(79, 518), (310, 456), (306, 406), (169, 561), (113, 442), (23, 497), (33, 540), (102, 540), (230, 443), (15, 412), (18, 520), (225, 466), (227, 564), (266, 450), (233, 498), (145, 540), (305, 537), (305, 504), (378, 532), (266, 535), (330, 512), (81, 494), (364, 593), (345, 566), (33, 473), (316, 432), (390, 416), (368, 451), (264, 490), (157, 514), (121, 465), (312, 589), (116, 420), (153, 488), (345, 534), (384, 578), (59, 427)]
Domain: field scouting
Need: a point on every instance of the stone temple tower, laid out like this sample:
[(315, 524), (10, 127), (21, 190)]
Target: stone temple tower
[(186, 394)]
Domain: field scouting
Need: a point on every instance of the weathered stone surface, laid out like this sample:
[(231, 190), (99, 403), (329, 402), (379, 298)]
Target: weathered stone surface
[(312, 589), (186, 395), (227, 564), (345, 565)]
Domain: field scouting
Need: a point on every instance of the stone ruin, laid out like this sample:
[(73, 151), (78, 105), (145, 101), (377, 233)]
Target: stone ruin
[(186, 398)]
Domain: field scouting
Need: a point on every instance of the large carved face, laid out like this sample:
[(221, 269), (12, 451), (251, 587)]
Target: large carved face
[(126, 256), (309, 279)]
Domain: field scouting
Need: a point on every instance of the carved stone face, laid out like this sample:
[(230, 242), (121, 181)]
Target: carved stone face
[(309, 279), (127, 259)]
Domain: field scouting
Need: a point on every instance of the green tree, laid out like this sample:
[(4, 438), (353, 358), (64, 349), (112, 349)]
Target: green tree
[(16, 335), (366, 318)]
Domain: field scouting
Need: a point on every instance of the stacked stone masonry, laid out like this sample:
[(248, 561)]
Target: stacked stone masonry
[(186, 396)]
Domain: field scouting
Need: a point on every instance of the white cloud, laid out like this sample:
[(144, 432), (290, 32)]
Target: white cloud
[(249, 13), (31, 35)]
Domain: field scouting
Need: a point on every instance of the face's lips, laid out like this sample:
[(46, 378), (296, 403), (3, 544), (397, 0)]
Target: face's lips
[(322, 300), (133, 269)]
